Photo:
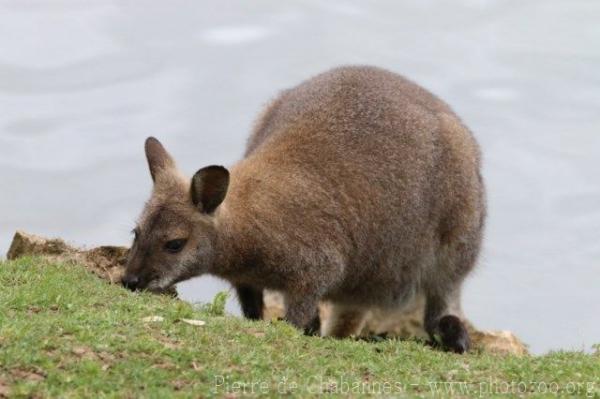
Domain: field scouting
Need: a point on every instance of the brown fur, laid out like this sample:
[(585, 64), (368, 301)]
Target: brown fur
[(358, 187)]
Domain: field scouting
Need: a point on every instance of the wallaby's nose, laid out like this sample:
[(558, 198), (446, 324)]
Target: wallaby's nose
[(130, 282)]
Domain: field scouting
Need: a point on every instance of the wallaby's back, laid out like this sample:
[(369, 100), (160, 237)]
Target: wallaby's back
[(364, 186)]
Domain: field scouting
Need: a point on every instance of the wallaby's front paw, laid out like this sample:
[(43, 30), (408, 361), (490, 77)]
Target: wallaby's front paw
[(314, 327)]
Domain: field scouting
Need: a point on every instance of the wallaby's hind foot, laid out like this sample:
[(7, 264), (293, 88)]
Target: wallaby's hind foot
[(444, 327), (453, 334)]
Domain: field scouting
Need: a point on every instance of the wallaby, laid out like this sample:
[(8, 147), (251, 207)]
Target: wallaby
[(358, 187)]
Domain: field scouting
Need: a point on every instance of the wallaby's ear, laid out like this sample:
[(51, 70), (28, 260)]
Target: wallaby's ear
[(159, 159), (209, 187)]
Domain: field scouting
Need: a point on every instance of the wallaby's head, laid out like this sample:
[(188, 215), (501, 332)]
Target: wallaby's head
[(175, 235)]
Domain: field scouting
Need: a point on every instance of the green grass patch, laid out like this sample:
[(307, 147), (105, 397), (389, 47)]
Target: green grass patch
[(65, 333)]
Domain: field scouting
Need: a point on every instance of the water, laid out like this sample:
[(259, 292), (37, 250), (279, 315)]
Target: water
[(83, 84)]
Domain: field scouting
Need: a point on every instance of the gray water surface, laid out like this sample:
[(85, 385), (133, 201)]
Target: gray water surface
[(82, 84)]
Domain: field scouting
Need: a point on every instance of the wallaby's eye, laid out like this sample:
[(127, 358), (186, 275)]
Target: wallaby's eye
[(175, 246)]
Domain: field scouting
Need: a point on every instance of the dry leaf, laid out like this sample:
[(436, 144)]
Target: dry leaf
[(197, 367), (151, 319), (192, 322)]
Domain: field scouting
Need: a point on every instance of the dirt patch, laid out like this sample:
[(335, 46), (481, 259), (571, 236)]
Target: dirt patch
[(31, 310), (178, 385), (84, 352), (32, 375), (4, 389), (169, 343), (164, 365)]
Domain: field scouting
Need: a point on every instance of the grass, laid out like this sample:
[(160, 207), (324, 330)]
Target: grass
[(64, 333)]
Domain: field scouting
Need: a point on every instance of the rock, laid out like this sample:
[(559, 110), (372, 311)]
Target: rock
[(108, 262), (498, 342), (28, 244)]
